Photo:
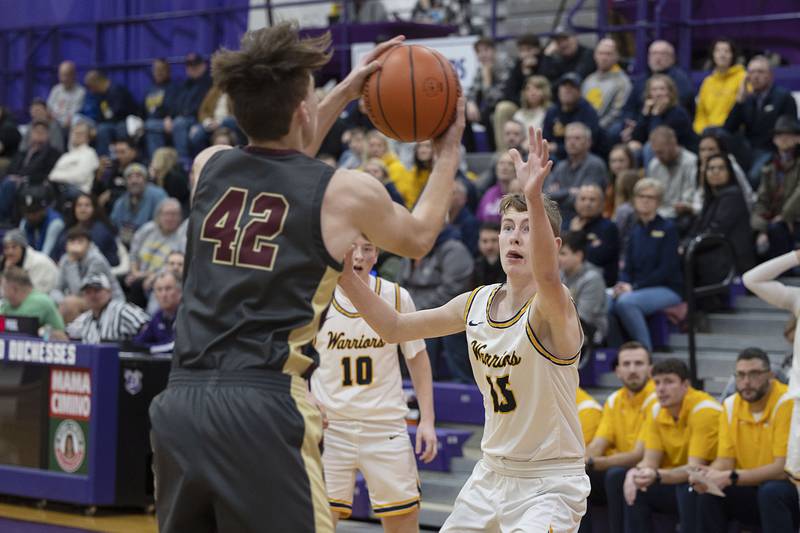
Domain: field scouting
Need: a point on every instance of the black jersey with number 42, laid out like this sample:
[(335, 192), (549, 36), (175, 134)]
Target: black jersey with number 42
[(257, 274)]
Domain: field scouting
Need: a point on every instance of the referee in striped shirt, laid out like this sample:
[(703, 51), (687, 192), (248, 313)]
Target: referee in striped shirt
[(106, 320)]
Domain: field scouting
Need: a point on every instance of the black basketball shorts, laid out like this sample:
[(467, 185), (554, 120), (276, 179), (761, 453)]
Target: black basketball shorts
[(238, 451)]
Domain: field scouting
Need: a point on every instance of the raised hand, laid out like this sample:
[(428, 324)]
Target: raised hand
[(532, 173), (354, 82)]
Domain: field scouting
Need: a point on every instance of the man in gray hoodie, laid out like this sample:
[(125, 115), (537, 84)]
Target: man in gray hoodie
[(586, 285), (82, 259)]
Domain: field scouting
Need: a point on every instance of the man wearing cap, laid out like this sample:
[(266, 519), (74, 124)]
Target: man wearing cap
[(567, 55), (106, 320), (189, 96), (42, 270), (40, 223), (569, 107), (21, 299), (115, 103), (777, 208), (138, 205)]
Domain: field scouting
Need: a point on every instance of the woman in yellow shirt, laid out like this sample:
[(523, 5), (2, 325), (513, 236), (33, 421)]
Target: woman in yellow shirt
[(718, 91)]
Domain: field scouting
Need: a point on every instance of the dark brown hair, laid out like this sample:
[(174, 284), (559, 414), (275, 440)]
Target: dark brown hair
[(268, 77), (516, 201)]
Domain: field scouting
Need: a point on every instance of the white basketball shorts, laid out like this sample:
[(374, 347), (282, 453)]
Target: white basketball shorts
[(498, 503), (382, 451)]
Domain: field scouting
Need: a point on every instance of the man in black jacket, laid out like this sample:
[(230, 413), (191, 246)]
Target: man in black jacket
[(569, 56), (757, 110), (189, 96)]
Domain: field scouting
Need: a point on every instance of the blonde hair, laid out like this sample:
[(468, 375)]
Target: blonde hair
[(517, 202), (543, 85), (162, 162), (649, 183), (671, 87)]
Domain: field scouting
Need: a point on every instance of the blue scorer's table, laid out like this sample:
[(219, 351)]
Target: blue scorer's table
[(73, 421)]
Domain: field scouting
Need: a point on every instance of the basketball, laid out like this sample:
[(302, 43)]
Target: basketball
[(413, 96)]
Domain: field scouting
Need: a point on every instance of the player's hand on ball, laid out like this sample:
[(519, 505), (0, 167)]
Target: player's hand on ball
[(532, 173), (354, 82), (427, 445)]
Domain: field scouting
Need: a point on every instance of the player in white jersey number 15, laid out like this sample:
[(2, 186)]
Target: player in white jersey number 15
[(524, 341), (358, 383)]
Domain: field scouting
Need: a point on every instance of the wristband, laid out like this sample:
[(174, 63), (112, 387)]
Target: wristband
[(658, 476), (734, 477)]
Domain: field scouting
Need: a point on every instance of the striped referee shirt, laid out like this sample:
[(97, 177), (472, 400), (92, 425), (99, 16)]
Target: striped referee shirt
[(119, 321)]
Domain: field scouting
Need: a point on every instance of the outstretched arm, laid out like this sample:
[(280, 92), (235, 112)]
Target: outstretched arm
[(553, 304), (345, 92), (762, 280), (394, 327)]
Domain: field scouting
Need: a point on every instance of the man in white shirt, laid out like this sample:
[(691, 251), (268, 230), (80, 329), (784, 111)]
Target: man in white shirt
[(66, 97)]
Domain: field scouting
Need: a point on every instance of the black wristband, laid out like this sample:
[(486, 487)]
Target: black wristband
[(734, 477), (590, 464), (658, 476)]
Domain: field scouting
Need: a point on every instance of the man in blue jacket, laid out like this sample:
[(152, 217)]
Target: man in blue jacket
[(568, 107), (158, 104), (661, 60)]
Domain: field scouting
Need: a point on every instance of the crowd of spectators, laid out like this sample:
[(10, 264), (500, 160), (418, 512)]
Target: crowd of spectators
[(643, 165), (94, 198)]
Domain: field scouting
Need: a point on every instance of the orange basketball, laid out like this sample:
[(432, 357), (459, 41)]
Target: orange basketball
[(413, 96)]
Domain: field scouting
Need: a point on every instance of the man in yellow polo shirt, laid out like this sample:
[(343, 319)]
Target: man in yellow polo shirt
[(753, 436), (617, 445), (681, 432)]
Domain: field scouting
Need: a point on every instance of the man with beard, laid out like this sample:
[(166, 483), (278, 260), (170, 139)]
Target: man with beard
[(753, 436), (618, 443)]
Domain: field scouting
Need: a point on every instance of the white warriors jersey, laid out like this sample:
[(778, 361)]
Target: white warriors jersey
[(359, 374), (528, 393)]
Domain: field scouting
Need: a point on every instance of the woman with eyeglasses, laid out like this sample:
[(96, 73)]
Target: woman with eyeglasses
[(651, 278), (763, 282)]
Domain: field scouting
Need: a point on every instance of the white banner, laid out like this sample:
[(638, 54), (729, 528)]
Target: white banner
[(458, 50)]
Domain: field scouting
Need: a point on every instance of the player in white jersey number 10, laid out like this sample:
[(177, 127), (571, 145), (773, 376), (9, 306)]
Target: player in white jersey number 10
[(358, 383), (524, 341)]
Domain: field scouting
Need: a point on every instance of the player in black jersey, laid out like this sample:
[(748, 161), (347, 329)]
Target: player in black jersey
[(235, 437)]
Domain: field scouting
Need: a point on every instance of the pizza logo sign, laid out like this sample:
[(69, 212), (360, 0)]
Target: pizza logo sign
[(69, 446)]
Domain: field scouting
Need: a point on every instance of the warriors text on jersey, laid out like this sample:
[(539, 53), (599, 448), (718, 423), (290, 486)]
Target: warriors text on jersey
[(257, 274), (359, 374), (528, 393)]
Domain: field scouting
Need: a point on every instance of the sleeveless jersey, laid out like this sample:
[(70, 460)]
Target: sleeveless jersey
[(359, 374), (257, 276), (528, 393)]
